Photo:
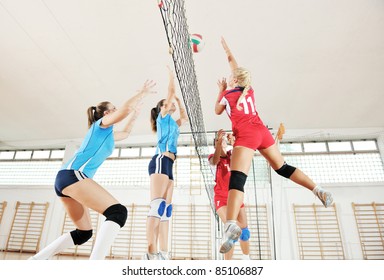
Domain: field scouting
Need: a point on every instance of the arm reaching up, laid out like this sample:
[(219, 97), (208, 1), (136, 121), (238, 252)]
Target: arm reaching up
[(231, 59), (128, 105)]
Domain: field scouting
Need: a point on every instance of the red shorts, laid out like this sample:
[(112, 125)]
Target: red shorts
[(221, 201), (253, 136)]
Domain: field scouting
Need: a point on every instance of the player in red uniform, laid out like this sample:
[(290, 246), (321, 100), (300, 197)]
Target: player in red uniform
[(250, 134), (220, 162)]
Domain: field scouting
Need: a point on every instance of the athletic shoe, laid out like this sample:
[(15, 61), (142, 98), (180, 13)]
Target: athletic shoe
[(150, 257), (163, 256), (325, 197), (232, 233), (245, 257)]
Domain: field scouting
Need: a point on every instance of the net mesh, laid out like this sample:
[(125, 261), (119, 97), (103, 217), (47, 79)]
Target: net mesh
[(176, 28)]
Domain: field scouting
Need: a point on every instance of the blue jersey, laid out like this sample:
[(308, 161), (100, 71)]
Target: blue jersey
[(96, 147), (167, 134)]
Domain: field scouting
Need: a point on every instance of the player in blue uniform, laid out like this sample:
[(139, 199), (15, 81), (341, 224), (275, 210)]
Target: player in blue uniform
[(78, 191), (160, 171)]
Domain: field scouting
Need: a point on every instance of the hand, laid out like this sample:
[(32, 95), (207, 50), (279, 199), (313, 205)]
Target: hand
[(220, 137), (231, 139), (148, 85), (222, 84)]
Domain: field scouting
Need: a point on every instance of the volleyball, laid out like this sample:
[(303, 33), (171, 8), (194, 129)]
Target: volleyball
[(197, 43)]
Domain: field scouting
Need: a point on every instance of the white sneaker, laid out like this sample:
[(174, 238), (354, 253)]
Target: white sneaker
[(164, 255), (245, 257), (232, 232), (150, 257), (324, 196)]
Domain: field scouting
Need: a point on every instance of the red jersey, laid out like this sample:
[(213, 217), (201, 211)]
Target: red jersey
[(222, 173), (248, 114), (247, 127)]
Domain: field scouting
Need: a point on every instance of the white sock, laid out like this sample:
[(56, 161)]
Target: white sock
[(316, 190), (104, 239), (245, 257), (60, 244)]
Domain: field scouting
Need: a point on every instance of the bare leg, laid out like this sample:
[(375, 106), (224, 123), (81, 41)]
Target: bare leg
[(159, 184), (92, 195), (243, 222), (164, 225), (241, 161), (82, 221), (276, 160)]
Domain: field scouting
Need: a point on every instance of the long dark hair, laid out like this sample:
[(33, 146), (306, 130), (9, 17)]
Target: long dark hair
[(155, 113), (96, 112)]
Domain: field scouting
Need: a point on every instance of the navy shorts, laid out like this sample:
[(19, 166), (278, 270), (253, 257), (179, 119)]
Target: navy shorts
[(161, 164), (65, 178)]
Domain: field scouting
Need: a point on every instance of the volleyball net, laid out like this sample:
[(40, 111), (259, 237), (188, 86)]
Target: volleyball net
[(176, 28)]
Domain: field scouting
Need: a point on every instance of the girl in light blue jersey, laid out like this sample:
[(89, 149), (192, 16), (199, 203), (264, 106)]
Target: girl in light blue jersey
[(78, 191), (160, 171)]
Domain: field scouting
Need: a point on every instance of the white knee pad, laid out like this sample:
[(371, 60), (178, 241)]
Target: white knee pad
[(157, 208), (167, 213)]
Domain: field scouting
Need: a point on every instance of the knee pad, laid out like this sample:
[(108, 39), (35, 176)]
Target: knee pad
[(245, 234), (116, 213), (81, 236), (167, 213), (286, 170), (237, 180), (157, 208)]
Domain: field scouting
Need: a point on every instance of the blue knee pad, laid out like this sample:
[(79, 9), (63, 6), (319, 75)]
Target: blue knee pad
[(245, 234), (157, 208), (167, 213)]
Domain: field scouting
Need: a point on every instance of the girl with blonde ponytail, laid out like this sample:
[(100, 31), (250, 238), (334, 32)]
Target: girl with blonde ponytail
[(250, 134)]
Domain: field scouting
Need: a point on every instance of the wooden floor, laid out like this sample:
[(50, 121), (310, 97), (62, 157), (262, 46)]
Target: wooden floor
[(25, 256)]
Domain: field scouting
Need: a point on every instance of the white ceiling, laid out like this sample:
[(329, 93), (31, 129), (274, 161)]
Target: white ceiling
[(315, 64)]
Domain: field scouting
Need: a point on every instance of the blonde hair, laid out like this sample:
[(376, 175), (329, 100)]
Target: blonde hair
[(243, 77)]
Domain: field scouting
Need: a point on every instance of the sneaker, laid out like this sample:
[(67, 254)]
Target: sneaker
[(245, 257), (163, 256), (232, 233), (150, 257), (325, 197)]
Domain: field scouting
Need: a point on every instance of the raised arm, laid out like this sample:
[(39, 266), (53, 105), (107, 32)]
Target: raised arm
[(128, 105), (218, 147), (124, 133), (231, 59), (183, 113), (171, 92), (222, 84)]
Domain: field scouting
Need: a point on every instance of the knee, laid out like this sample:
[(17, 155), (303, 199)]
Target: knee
[(286, 170), (245, 234), (157, 208), (237, 180), (81, 236), (116, 213)]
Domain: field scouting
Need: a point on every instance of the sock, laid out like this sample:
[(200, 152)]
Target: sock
[(245, 257), (316, 190), (60, 244), (104, 239)]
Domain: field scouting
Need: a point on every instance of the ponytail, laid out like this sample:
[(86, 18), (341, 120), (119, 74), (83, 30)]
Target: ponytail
[(243, 77), (96, 112), (155, 113)]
